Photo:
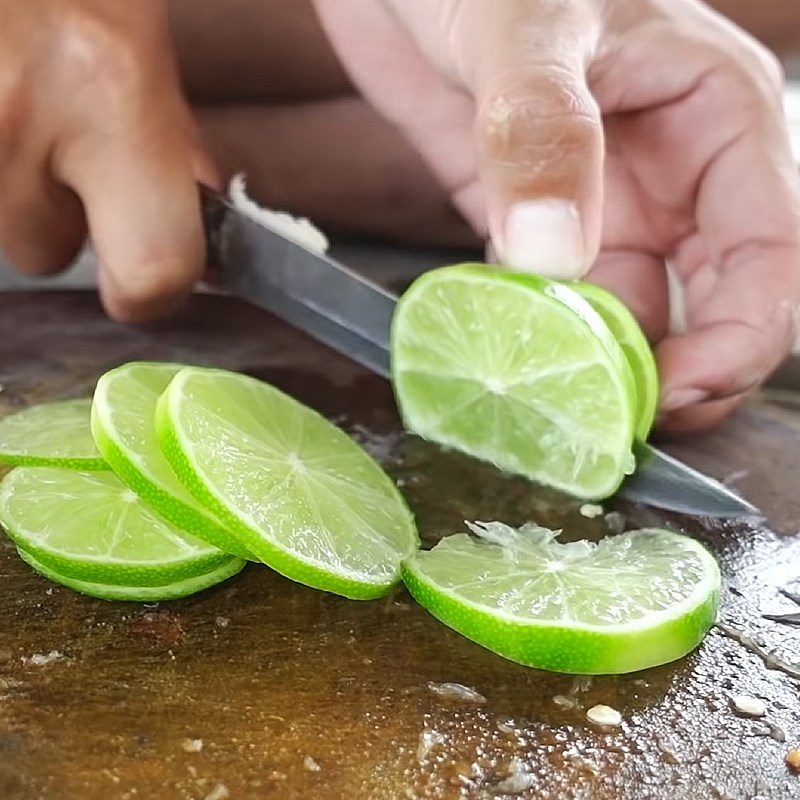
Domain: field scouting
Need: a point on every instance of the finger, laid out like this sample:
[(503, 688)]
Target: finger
[(727, 202), (703, 416), (640, 281), (41, 224), (136, 177), (127, 146), (742, 273), (41, 221), (434, 113), (540, 138)]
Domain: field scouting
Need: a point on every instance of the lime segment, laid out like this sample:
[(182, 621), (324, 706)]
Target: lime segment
[(298, 492), (52, 434), (626, 330), (515, 370), (626, 603), (143, 594), (89, 526), (123, 415)]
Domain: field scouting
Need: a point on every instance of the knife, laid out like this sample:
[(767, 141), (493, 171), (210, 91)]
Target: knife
[(351, 314)]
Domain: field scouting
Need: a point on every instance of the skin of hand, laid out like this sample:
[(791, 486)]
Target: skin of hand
[(94, 133), (617, 136)]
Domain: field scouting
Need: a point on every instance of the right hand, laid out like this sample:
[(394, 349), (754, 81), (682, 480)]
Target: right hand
[(533, 112), (95, 135)]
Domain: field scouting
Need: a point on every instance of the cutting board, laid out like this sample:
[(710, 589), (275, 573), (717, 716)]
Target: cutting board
[(262, 688)]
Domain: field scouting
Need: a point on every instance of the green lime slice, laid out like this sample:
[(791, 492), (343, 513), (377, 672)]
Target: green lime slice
[(626, 603), (141, 594), (52, 434), (123, 415), (91, 527), (298, 492), (626, 330), (516, 370)]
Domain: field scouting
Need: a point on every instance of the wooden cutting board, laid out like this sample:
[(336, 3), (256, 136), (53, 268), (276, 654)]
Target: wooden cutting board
[(262, 688)]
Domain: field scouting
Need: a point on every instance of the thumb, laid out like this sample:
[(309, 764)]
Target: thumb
[(540, 148)]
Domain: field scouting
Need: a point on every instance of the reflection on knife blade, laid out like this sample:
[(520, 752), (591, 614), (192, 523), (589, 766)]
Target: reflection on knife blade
[(353, 315)]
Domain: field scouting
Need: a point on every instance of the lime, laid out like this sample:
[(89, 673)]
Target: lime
[(52, 434), (626, 330), (144, 594), (626, 603), (298, 492), (91, 527), (516, 370), (123, 415)]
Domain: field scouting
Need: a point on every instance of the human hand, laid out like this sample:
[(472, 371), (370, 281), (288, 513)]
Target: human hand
[(614, 136), (94, 133)]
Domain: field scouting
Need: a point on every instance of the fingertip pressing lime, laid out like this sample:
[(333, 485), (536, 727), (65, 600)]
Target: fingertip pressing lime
[(516, 370), (141, 594), (298, 492), (88, 526), (629, 602), (626, 330), (52, 434), (123, 425)]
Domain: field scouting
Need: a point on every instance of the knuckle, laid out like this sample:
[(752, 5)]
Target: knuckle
[(542, 113), (755, 76), (747, 92), (100, 57)]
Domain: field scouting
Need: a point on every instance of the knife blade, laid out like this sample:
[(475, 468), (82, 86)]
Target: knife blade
[(353, 315)]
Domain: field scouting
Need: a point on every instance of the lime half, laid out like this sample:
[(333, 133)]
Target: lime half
[(144, 594), (52, 434), (297, 492), (626, 603), (634, 345), (89, 526), (123, 420), (516, 370)]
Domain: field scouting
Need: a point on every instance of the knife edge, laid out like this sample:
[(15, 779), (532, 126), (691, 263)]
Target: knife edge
[(353, 315)]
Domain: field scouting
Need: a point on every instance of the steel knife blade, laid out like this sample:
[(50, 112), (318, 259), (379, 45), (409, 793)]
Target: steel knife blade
[(353, 315)]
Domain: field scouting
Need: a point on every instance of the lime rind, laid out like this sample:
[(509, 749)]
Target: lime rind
[(634, 344), (63, 517), (143, 594), (567, 645), (329, 572), (50, 435), (580, 444), (141, 465)]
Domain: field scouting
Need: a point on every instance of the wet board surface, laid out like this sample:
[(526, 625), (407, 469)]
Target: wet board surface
[(261, 688)]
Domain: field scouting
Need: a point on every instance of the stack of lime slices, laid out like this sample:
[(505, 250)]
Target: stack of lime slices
[(173, 477)]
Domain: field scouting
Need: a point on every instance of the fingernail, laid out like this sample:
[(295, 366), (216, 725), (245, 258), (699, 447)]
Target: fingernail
[(682, 398), (545, 236)]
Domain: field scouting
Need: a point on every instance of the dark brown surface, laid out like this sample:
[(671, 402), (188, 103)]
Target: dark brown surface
[(269, 674)]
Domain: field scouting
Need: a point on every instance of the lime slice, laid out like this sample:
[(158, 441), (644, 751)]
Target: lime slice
[(298, 492), (53, 434), (626, 330), (143, 594), (626, 603), (89, 526), (516, 370), (123, 415)]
